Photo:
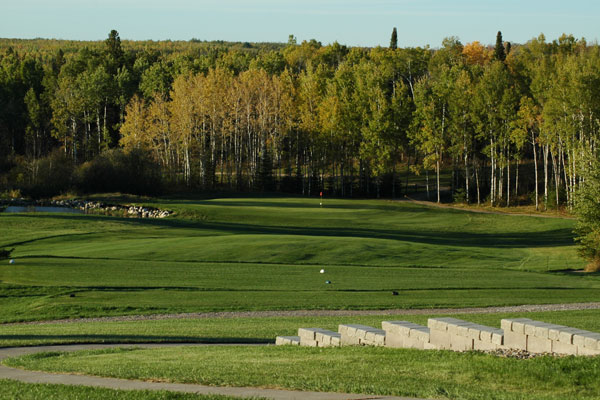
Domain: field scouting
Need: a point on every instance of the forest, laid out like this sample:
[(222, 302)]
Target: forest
[(508, 124)]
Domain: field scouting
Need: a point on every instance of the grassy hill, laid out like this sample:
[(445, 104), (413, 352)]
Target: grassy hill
[(258, 254)]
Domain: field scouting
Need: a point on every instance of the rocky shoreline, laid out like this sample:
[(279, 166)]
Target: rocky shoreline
[(90, 206)]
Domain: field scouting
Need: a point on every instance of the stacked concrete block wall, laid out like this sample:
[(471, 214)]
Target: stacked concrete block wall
[(458, 335), (541, 337), (455, 334), (404, 334), (317, 337), (353, 334), (287, 340)]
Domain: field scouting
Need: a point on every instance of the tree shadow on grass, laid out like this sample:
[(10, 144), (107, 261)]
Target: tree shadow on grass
[(548, 238)]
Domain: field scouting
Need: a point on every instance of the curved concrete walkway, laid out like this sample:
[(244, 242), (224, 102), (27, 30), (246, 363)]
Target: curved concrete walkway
[(125, 384)]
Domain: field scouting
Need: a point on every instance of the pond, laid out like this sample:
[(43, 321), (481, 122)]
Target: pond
[(34, 209)]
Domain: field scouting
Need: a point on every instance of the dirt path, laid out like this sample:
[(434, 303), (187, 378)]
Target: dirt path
[(125, 384), (327, 313)]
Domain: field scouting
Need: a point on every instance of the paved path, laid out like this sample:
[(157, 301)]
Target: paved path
[(125, 384), (326, 313)]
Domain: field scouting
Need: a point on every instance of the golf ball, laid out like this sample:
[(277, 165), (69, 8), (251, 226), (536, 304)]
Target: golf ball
[(322, 271), (11, 261)]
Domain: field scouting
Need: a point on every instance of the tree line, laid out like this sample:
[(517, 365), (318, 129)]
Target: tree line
[(505, 123)]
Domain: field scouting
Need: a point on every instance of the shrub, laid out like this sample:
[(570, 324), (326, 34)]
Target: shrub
[(119, 171), (45, 177)]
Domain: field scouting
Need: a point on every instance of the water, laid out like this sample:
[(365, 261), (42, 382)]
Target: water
[(34, 209)]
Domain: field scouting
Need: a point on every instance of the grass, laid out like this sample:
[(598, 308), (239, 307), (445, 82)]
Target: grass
[(11, 390), (242, 330), (377, 371), (261, 254)]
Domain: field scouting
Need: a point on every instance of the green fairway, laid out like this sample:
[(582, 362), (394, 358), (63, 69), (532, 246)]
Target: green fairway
[(260, 254)]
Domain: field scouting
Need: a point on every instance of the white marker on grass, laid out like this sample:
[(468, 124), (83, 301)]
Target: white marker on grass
[(322, 271)]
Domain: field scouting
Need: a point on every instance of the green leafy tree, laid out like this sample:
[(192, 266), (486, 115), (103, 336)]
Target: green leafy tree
[(588, 214)]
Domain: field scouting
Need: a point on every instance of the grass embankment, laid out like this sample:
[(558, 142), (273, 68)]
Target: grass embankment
[(12, 390), (242, 330), (261, 254), (378, 371)]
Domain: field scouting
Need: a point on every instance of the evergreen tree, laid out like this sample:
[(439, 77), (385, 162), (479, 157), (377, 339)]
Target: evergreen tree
[(394, 40), (508, 48), (499, 53)]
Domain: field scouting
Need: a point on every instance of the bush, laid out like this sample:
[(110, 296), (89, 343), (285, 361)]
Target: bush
[(43, 178), (119, 171)]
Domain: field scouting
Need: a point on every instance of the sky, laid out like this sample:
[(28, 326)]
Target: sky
[(349, 22)]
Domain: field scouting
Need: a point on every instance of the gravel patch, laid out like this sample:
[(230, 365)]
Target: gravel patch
[(325, 313)]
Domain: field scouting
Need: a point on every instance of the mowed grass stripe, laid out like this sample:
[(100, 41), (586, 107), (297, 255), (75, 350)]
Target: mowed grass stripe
[(260, 254), (300, 249), (109, 273)]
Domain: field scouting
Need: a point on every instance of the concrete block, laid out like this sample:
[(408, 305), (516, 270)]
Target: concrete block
[(475, 333), (364, 330), (566, 335), (308, 343), (442, 323), (591, 341), (498, 338), (518, 324), (586, 339), (439, 339), (287, 340), (542, 331), (420, 333), (352, 334), (538, 345), (397, 327), (336, 341), (375, 338), (579, 339), (395, 341), (485, 334), (460, 329), (515, 340), (429, 346), (460, 343), (563, 348), (530, 327), (354, 329), (554, 331), (506, 324), (325, 336), (584, 351), (434, 323), (307, 333), (414, 343), (346, 340), (484, 346)]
